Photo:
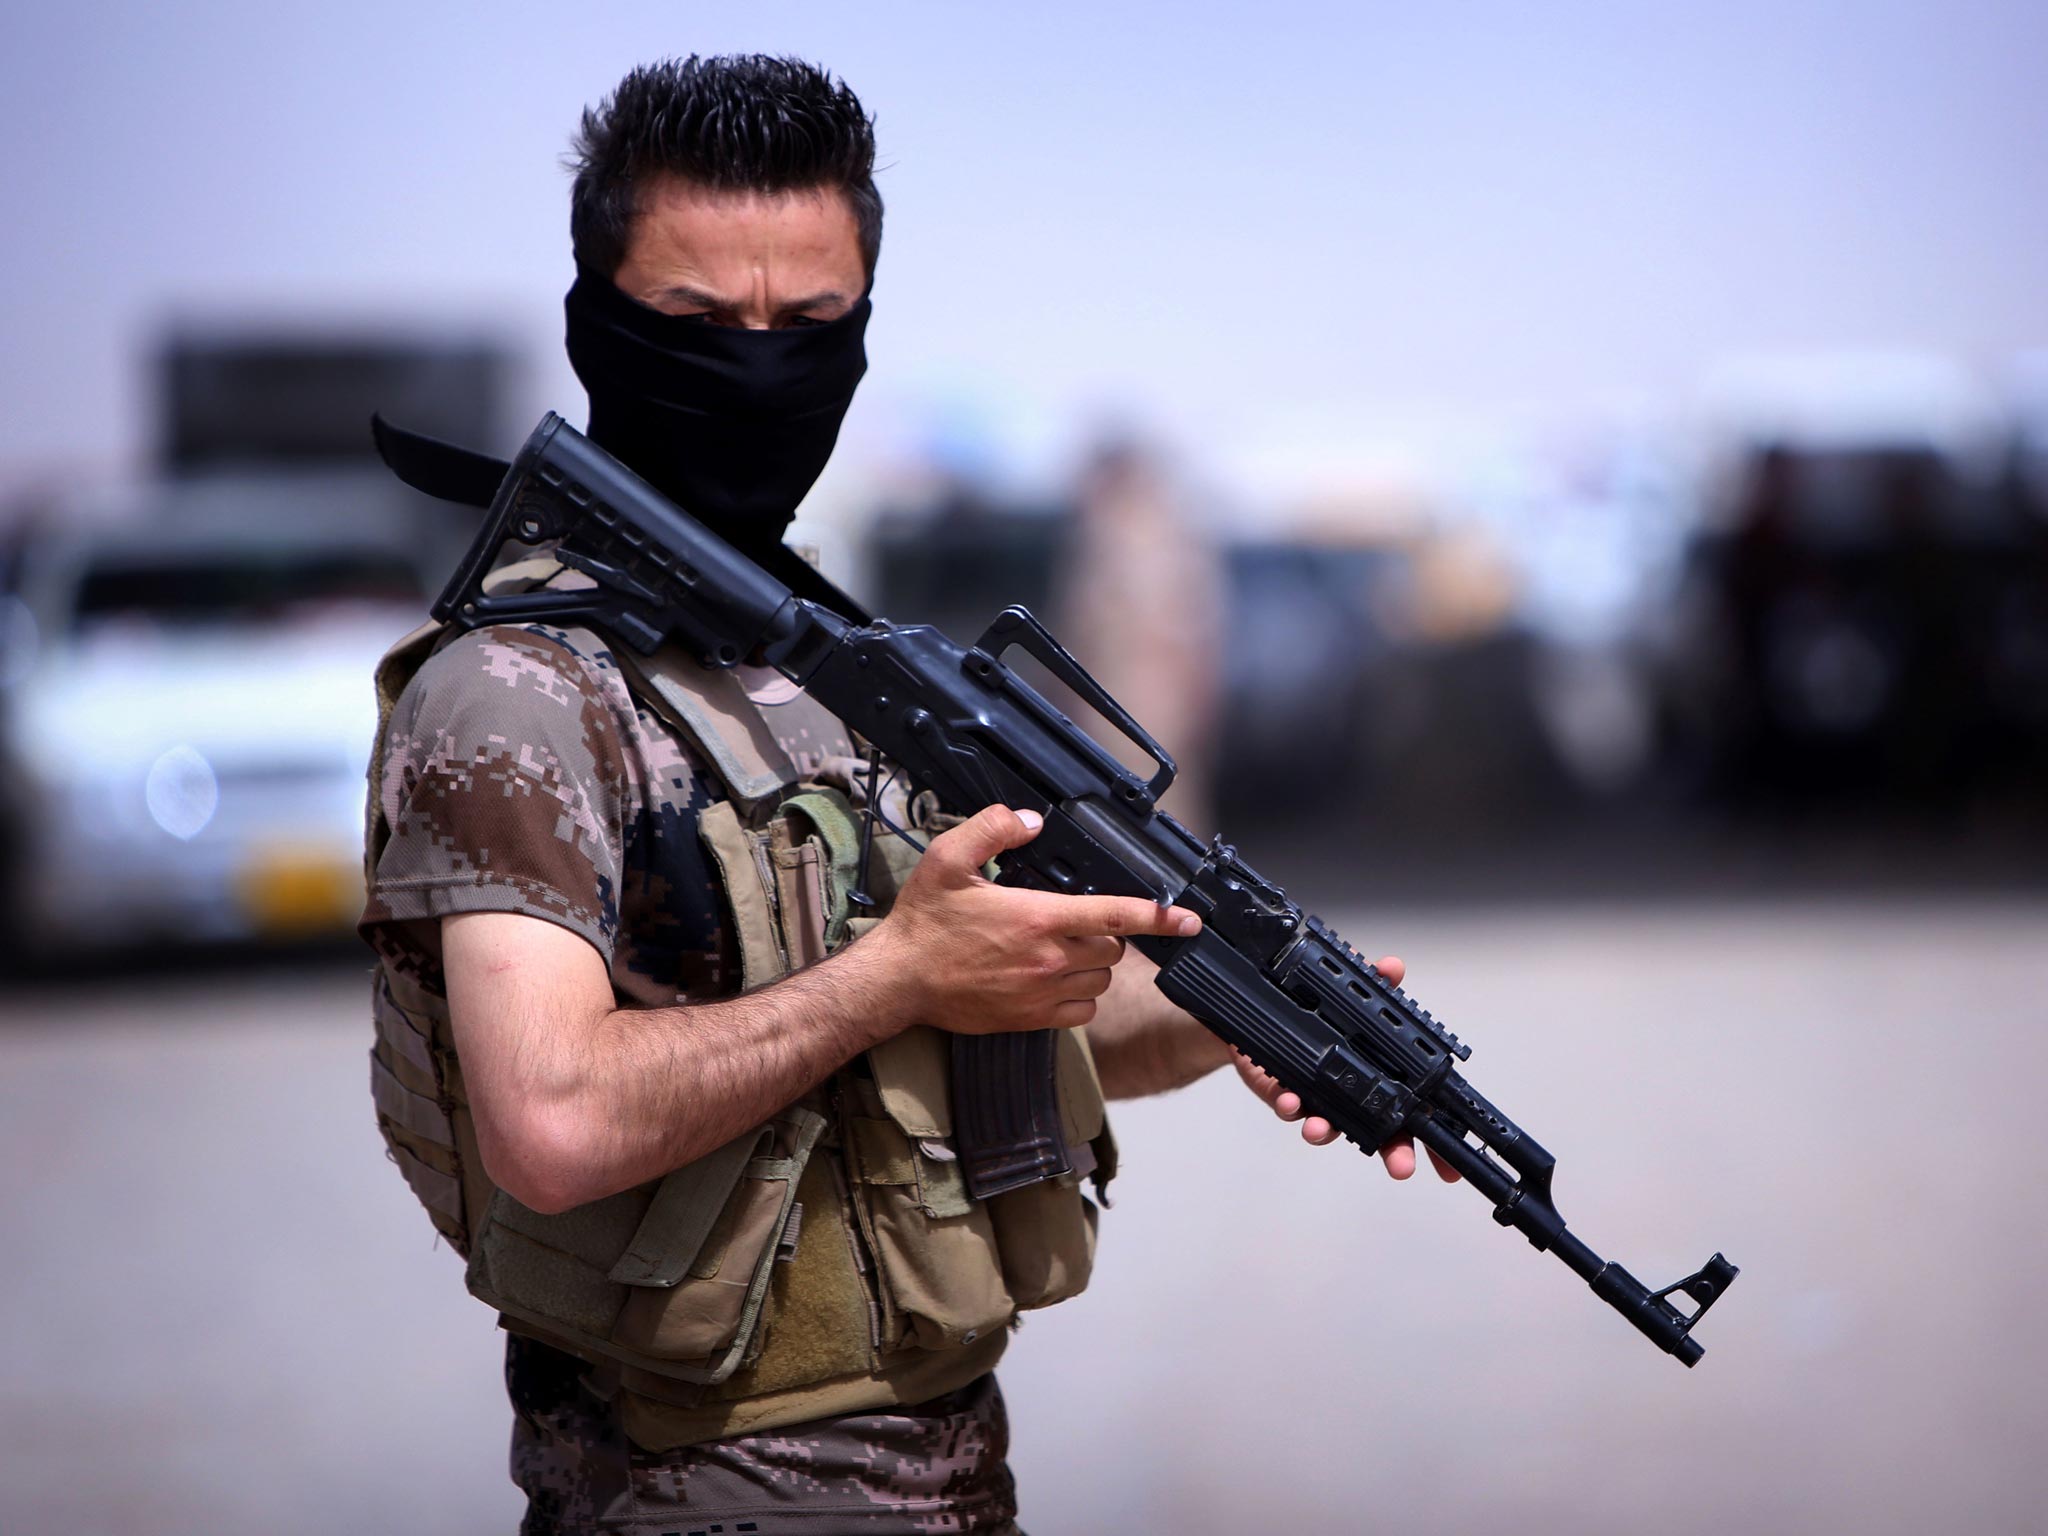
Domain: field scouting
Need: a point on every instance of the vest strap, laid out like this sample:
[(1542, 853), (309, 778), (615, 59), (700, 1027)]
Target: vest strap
[(397, 1029), (412, 1112), (716, 714), (746, 893), (832, 815), (436, 1190)]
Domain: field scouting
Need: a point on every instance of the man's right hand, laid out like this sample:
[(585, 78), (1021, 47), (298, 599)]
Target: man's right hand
[(978, 958)]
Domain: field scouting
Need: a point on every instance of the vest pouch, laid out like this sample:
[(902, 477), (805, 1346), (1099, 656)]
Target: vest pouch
[(800, 894), (749, 883), (1046, 1231), (705, 1311), (672, 1276), (936, 1256)]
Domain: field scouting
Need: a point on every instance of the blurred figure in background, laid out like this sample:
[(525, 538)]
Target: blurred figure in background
[(1874, 601), (1141, 597)]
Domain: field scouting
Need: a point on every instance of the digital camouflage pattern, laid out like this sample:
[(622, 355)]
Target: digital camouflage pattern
[(939, 1467), (519, 775)]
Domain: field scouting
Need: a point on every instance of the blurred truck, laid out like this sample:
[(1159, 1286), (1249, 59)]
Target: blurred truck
[(1867, 611), (186, 709), (190, 716)]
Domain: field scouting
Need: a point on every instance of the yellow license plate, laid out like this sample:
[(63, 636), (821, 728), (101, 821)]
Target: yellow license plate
[(290, 893)]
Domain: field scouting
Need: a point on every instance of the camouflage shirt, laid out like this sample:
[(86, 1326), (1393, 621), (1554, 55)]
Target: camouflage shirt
[(520, 776)]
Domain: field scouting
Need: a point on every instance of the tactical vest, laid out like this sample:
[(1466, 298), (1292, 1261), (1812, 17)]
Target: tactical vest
[(828, 1260)]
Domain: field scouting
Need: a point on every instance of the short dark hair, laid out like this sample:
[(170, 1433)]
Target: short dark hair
[(740, 122)]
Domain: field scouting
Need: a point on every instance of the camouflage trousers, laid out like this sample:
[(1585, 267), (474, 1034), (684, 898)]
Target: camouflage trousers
[(938, 1467)]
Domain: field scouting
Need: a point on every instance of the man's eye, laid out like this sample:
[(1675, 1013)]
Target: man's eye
[(802, 320)]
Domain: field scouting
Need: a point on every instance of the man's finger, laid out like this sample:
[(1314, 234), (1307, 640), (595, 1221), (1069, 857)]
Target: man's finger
[(1390, 966), (990, 831), (1256, 1077), (1399, 1156), (1444, 1170), (1318, 1132), (1121, 917), (1084, 984), (1093, 952)]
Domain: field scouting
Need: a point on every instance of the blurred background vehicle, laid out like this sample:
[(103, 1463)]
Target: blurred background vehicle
[(189, 726), (1868, 601), (185, 713)]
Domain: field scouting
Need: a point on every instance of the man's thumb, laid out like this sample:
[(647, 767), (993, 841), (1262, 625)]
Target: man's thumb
[(989, 832)]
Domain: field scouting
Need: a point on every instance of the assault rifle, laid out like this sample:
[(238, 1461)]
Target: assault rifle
[(1265, 976)]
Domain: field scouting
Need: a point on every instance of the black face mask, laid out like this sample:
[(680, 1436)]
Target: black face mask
[(732, 425)]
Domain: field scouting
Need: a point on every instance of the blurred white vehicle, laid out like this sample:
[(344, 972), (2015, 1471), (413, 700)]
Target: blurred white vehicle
[(189, 713)]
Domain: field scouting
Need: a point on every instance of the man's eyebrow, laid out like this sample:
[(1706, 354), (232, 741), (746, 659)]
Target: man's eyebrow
[(816, 301), (703, 298), (683, 293)]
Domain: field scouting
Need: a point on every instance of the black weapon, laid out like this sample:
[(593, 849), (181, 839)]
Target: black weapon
[(1263, 975)]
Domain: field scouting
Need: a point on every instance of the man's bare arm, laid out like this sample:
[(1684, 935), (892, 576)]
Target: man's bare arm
[(1143, 1043), (575, 1098)]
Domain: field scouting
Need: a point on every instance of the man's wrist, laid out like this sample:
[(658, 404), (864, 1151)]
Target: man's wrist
[(887, 986)]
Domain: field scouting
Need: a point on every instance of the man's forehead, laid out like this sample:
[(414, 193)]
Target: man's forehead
[(679, 218)]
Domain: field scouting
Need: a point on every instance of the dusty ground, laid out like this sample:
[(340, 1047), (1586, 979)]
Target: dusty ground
[(220, 1313)]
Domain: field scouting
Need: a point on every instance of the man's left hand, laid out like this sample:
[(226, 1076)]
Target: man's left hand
[(1398, 1154)]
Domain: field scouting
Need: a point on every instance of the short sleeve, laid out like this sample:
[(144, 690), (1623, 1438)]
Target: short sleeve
[(503, 788)]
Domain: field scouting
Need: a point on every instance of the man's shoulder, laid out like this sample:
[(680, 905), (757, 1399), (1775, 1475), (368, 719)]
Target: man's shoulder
[(508, 683), (546, 696), (565, 666), (522, 697), (507, 782)]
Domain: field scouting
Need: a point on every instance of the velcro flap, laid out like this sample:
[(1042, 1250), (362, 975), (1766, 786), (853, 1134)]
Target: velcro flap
[(883, 1152), (911, 1071), (753, 912), (942, 1182)]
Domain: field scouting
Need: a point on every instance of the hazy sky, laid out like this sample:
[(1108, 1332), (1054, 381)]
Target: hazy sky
[(1270, 228)]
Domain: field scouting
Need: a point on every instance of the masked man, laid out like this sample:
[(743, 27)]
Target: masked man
[(680, 1103)]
